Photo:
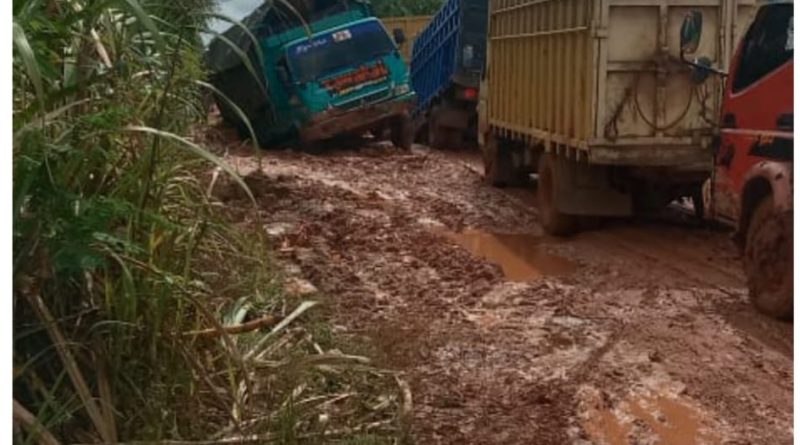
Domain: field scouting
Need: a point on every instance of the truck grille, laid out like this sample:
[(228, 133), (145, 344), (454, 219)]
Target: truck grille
[(367, 99)]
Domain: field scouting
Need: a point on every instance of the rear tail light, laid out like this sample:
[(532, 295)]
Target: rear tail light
[(470, 93)]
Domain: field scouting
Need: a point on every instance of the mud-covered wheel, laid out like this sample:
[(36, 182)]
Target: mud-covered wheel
[(403, 133), (769, 261), (699, 204), (378, 131), (498, 165), (455, 138), (553, 221), (437, 135)]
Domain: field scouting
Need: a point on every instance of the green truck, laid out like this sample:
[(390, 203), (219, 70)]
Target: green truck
[(314, 73)]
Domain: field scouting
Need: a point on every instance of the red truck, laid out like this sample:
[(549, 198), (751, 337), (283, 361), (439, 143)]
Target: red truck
[(752, 182)]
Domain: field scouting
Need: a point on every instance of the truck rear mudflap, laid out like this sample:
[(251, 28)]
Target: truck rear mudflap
[(336, 122)]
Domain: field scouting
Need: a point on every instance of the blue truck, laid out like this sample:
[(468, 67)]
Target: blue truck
[(336, 72), (447, 62)]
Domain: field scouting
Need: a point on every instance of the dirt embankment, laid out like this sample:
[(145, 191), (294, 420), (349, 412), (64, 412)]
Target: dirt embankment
[(636, 333)]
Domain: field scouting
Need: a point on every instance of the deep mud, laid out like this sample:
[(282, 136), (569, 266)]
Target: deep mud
[(638, 332)]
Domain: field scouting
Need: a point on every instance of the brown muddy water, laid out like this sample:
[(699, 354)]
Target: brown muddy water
[(659, 419), (522, 257)]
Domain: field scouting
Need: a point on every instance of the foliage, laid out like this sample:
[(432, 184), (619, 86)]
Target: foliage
[(122, 263), (396, 8)]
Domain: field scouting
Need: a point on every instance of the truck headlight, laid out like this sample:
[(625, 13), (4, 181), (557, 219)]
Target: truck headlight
[(402, 89)]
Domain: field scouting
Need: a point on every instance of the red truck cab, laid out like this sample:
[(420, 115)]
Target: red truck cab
[(752, 182)]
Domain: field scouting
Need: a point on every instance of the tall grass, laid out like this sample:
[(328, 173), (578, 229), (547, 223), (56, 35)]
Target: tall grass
[(127, 276)]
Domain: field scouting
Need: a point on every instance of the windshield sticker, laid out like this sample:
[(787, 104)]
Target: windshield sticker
[(303, 48), (340, 36), (790, 35), (343, 35), (355, 80)]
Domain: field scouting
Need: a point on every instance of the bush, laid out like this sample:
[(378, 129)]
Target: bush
[(126, 274), (398, 8)]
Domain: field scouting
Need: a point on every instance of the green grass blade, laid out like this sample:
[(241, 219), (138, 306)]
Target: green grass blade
[(32, 424), (235, 108), (240, 25), (197, 150), (48, 118), (248, 64), (24, 9), (25, 52), (259, 347), (294, 11), (72, 368), (136, 9)]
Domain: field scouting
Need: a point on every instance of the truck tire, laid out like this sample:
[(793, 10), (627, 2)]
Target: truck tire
[(498, 164), (553, 221), (455, 138), (403, 133), (698, 203), (769, 261), (437, 135), (378, 132)]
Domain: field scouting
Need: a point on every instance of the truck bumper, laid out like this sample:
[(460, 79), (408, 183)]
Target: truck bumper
[(335, 122), (684, 157)]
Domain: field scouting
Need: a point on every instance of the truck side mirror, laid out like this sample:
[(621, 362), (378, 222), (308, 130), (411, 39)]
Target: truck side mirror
[(399, 36), (691, 31)]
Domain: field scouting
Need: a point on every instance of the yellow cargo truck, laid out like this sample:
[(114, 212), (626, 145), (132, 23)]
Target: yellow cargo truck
[(593, 96)]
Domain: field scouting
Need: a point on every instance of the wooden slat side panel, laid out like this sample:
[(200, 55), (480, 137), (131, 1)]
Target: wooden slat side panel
[(538, 75)]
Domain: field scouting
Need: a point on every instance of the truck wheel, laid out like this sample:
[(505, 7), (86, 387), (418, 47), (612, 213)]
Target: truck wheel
[(553, 221), (698, 203), (437, 135), (403, 133), (455, 138), (378, 132), (769, 261), (498, 164)]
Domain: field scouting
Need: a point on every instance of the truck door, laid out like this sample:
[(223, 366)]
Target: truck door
[(757, 112)]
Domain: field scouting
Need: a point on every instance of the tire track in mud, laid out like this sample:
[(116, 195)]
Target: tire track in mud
[(492, 361)]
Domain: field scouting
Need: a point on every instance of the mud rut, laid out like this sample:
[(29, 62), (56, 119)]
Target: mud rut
[(647, 339)]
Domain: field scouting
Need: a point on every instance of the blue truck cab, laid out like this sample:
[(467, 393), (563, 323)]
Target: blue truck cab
[(447, 62), (337, 73)]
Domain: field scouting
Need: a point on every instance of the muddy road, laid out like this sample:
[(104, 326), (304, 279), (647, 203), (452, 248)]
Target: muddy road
[(638, 332)]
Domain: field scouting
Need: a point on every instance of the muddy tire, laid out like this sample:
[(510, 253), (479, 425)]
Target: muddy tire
[(498, 164), (769, 260), (403, 133), (698, 202), (437, 135), (553, 221), (378, 132), (455, 138)]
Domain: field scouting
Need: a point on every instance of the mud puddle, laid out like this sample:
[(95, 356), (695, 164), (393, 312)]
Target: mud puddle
[(654, 310), (522, 257), (653, 419)]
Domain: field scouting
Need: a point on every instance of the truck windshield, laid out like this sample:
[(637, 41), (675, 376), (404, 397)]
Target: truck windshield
[(313, 58)]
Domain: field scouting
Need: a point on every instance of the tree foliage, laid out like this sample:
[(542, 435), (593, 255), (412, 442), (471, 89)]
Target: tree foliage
[(397, 8)]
